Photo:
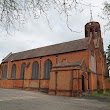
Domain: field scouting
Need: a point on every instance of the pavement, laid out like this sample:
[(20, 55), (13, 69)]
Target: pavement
[(15, 99)]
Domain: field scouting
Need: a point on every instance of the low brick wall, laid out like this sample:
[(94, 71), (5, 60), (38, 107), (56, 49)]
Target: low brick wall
[(10, 83), (30, 84)]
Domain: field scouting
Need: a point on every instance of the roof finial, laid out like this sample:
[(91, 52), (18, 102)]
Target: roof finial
[(91, 19)]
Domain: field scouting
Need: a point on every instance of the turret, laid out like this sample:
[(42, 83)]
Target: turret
[(92, 29)]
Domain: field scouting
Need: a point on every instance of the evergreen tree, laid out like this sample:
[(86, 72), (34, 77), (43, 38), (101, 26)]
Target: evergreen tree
[(108, 56)]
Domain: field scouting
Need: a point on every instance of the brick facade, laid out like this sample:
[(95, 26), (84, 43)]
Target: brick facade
[(73, 72)]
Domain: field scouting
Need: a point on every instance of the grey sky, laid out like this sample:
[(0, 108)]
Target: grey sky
[(36, 33)]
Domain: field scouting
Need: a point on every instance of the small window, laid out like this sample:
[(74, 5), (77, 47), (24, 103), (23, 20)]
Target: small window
[(35, 70), (4, 72), (91, 34), (96, 34), (13, 71), (22, 70), (47, 68)]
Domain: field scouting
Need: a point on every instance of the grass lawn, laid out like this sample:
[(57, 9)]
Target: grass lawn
[(103, 97), (107, 93)]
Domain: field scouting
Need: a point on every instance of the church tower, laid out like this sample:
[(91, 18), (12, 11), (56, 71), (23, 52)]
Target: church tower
[(92, 29)]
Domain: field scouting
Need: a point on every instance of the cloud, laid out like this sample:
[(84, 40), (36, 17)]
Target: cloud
[(37, 33)]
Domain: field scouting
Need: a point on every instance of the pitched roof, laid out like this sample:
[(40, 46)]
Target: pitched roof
[(65, 47)]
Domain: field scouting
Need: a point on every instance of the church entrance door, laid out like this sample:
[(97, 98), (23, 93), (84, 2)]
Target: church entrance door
[(83, 85)]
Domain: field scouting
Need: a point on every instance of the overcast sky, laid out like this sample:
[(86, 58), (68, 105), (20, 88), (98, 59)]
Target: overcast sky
[(36, 33)]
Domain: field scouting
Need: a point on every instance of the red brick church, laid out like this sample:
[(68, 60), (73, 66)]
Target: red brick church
[(70, 68)]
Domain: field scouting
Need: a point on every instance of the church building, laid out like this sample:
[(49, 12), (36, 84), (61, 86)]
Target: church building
[(70, 68)]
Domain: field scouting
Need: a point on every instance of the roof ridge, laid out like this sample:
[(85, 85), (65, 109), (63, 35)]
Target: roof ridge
[(50, 45), (64, 47)]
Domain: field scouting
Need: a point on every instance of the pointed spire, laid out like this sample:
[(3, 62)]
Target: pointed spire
[(91, 18)]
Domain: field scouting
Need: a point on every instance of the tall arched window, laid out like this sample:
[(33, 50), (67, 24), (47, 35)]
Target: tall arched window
[(13, 71), (47, 68), (35, 70), (22, 70), (4, 72)]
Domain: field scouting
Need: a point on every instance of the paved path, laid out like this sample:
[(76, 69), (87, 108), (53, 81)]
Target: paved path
[(13, 99)]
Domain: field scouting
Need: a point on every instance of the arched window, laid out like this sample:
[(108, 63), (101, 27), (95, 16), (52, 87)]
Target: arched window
[(22, 70), (4, 72), (35, 70), (47, 68), (91, 32), (13, 71)]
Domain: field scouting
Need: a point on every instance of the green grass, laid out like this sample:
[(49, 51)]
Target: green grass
[(107, 93)]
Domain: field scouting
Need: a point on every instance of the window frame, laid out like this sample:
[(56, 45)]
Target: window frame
[(47, 67), (93, 65), (22, 71), (13, 71), (4, 72), (35, 70)]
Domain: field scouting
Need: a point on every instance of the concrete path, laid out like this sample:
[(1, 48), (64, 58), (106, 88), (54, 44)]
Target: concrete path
[(13, 99)]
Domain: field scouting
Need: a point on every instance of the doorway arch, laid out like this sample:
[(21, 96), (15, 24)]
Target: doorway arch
[(83, 84)]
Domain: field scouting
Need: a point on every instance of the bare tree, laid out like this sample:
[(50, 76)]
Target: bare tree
[(106, 12), (14, 12)]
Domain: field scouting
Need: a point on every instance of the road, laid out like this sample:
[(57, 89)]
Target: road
[(15, 99)]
